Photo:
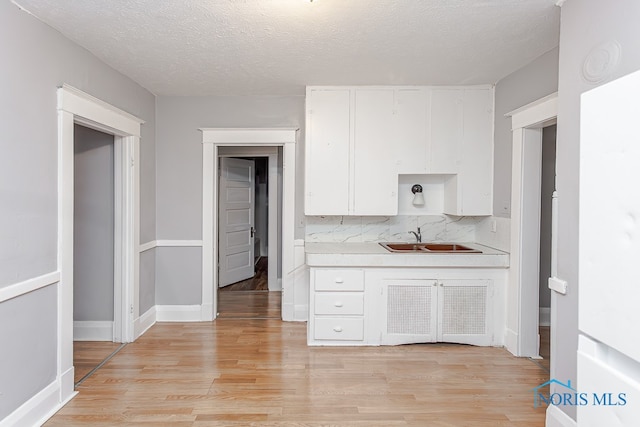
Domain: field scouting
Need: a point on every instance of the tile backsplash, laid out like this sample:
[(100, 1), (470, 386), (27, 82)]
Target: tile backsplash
[(443, 228)]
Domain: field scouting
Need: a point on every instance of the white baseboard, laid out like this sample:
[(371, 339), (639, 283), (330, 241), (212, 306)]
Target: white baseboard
[(545, 316), (288, 312), (144, 322), (35, 410), (511, 341), (276, 286), (301, 313), (92, 330), (178, 313), (557, 418), (67, 384), (207, 312)]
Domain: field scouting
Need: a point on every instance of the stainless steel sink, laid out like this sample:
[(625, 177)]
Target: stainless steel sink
[(453, 248)]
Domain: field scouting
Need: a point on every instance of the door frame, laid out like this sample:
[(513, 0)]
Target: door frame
[(77, 107), (273, 257), (212, 139), (522, 335)]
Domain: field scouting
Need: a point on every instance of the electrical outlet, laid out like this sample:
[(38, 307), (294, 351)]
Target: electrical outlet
[(494, 226)]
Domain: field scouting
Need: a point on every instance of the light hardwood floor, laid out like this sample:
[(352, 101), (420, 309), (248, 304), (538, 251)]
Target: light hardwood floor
[(89, 354), (250, 305), (261, 373)]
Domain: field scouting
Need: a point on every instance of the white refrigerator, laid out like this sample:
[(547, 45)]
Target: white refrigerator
[(609, 258)]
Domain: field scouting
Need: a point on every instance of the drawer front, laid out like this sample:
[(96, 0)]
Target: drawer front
[(339, 303), (339, 328), (339, 280)]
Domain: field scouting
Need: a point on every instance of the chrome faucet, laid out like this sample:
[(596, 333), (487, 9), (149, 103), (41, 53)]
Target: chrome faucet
[(418, 235)]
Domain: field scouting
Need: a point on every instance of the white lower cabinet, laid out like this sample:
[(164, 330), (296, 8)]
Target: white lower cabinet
[(337, 302), (380, 306)]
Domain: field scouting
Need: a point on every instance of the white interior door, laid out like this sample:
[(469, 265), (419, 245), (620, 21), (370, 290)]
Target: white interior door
[(236, 220)]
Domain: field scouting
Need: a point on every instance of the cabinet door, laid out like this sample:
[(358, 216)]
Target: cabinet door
[(375, 181), (476, 168), (411, 121), (409, 309), (469, 192), (464, 312), (446, 130), (327, 152)]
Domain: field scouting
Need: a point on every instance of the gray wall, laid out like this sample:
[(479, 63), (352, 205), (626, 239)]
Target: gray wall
[(28, 360), (586, 24), (531, 82), (93, 225), (548, 185), (35, 61), (179, 176)]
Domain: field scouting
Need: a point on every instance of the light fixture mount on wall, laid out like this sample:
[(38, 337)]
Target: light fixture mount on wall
[(418, 198)]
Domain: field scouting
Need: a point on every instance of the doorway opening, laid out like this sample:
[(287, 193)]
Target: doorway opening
[(93, 250), (547, 191), (79, 108), (249, 223), (522, 336), (283, 140)]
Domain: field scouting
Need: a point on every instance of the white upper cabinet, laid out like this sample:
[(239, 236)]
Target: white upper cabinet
[(446, 130), (470, 191), (411, 122), (375, 180), (359, 139), (327, 152)]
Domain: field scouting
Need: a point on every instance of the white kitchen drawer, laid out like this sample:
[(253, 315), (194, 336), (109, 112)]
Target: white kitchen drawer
[(339, 280), (339, 328), (339, 303)]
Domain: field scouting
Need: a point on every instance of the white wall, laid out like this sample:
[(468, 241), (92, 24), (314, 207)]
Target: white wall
[(35, 61), (586, 25), (93, 225), (531, 82), (179, 176)]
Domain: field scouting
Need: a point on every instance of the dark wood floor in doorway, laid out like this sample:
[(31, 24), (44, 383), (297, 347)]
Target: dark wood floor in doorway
[(259, 282), (250, 299)]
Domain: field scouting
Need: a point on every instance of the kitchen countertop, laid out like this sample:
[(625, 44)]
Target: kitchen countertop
[(374, 255)]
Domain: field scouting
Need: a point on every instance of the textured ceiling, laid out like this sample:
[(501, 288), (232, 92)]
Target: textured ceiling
[(276, 47)]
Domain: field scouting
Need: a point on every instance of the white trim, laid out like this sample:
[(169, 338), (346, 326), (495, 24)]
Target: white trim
[(510, 339), (556, 418), (168, 243), (545, 316), (536, 114), (144, 322), (30, 285), (178, 313), (36, 410), (92, 330), (96, 113), (249, 136), (522, 295), (147, 246), (75, 106), (179, 243), (212, 139)]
